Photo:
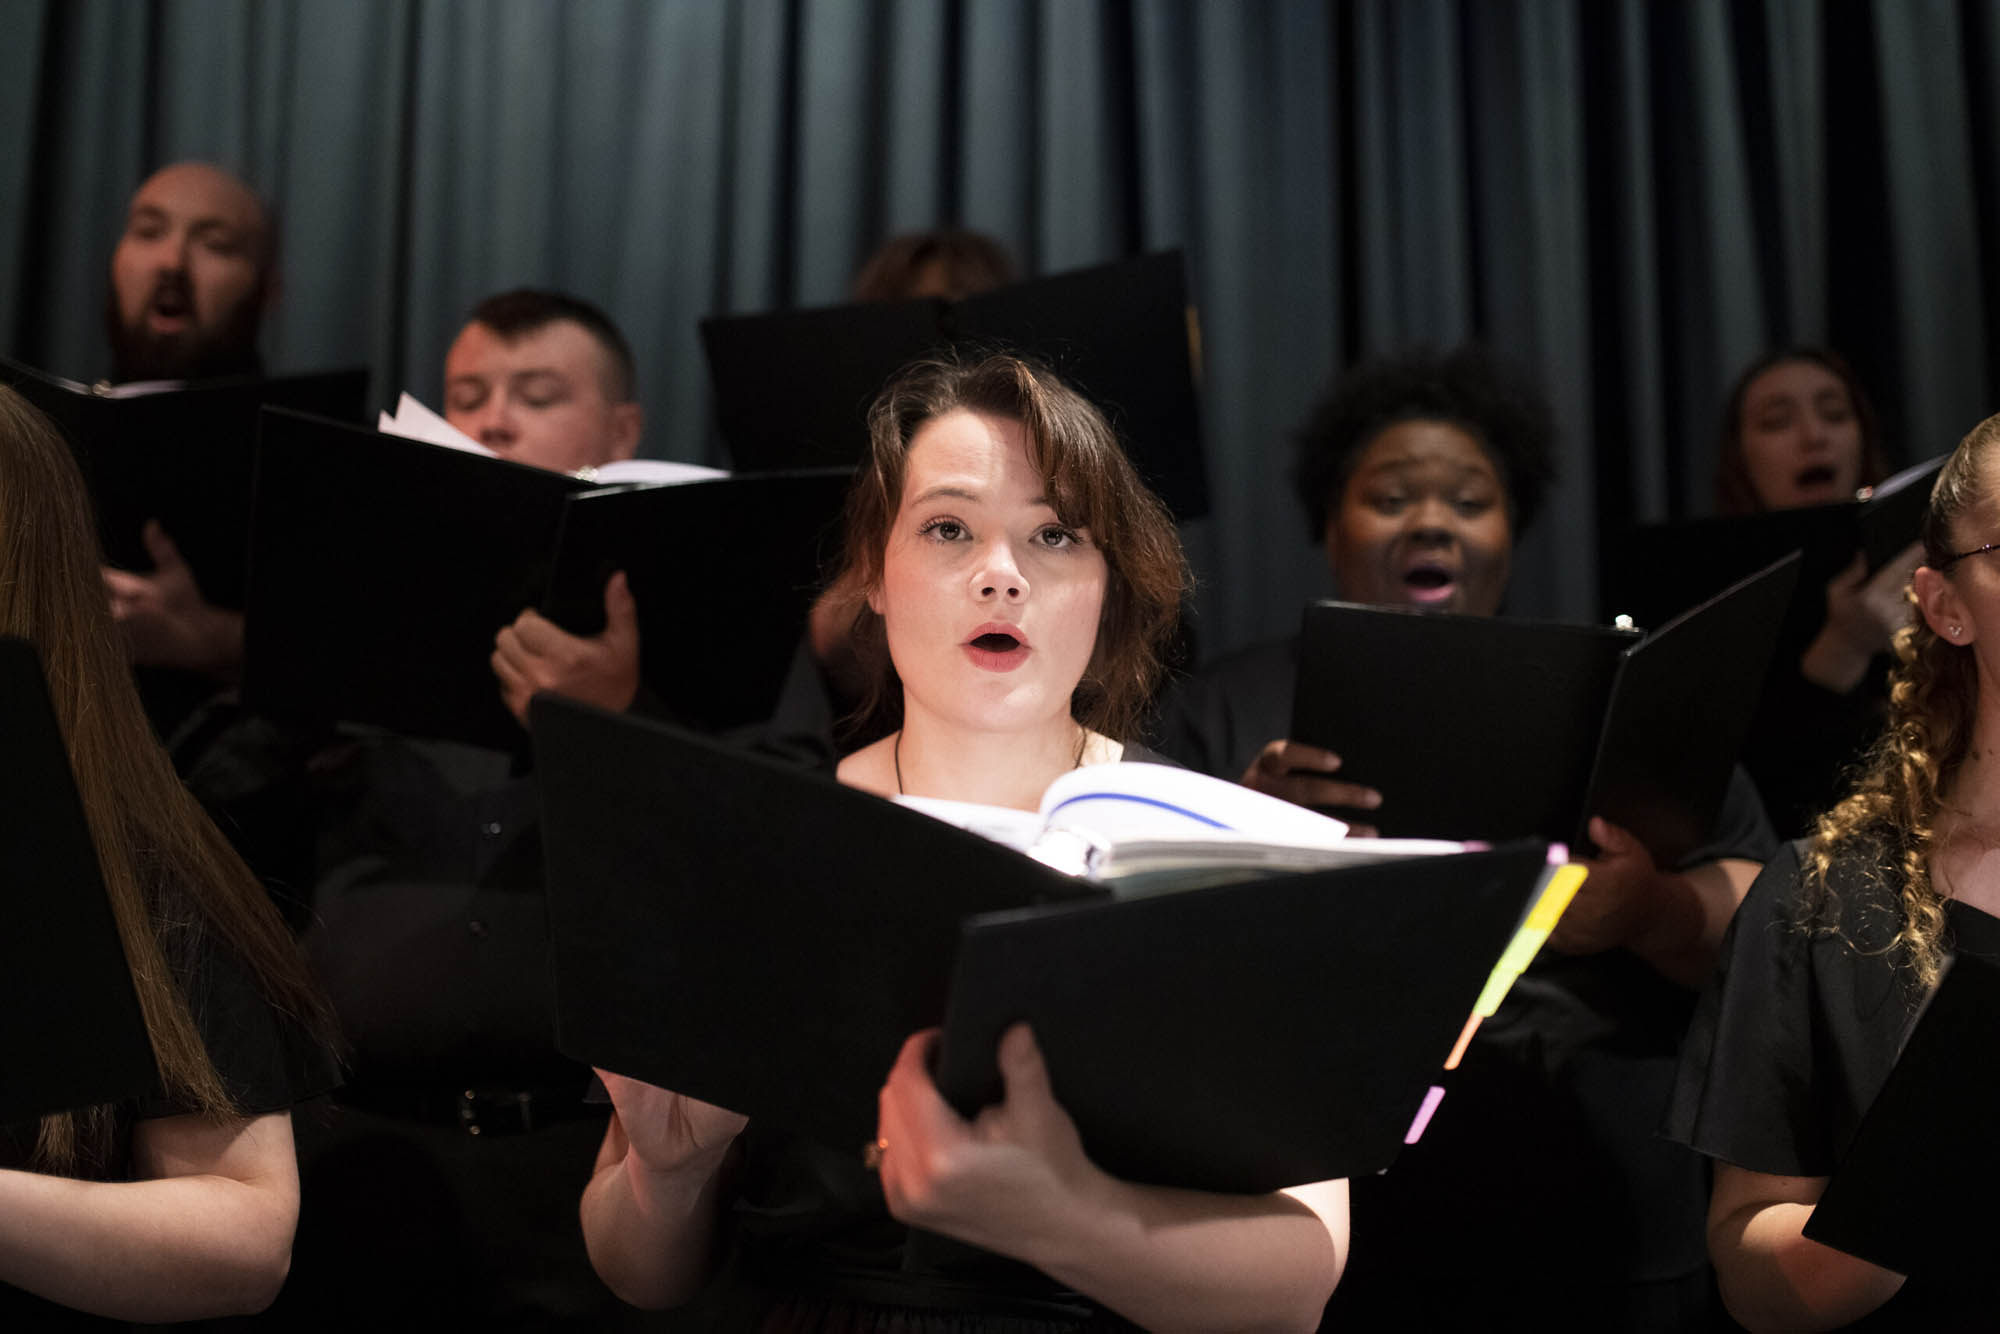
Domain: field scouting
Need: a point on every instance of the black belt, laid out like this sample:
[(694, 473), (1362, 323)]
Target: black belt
[(477, 1110)]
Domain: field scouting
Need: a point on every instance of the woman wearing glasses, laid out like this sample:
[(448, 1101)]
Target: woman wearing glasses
[(1841, 938)]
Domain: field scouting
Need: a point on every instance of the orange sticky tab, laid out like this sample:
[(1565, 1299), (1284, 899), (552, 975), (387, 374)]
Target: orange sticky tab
[(1464, 1040)]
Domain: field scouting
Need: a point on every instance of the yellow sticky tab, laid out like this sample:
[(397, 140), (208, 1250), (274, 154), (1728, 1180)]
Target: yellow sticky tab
[(1521, 951), (1495, 992), (1564, 881)]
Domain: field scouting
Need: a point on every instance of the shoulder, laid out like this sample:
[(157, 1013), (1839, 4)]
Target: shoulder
[(1216, 720), (872, 768)]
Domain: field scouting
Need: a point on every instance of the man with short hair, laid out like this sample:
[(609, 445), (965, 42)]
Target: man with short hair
[(191, 278), (439, 1184), (544, 379)]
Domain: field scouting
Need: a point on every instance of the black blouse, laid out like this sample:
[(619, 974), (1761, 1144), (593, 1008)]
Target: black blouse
[(1796, 1033)]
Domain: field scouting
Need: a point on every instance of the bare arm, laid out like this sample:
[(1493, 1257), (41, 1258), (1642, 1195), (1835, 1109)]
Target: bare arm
[(649, 1211), (1772, 1277), (1674, 920), (207, 1231), (1015, 1181)]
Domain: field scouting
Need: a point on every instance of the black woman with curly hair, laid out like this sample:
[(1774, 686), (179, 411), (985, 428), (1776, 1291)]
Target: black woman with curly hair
[(1418, 473)]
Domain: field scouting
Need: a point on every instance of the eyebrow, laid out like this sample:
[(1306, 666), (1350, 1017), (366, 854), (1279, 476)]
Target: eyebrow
[(964, 493)]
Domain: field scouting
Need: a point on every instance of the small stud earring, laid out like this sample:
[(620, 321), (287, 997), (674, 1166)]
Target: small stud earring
[(1956, 631)]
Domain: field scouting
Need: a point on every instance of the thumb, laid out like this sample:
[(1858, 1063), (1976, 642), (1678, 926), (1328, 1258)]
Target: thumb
[(1023, 1073), (1611, 840), (621, 609), (160, 547)]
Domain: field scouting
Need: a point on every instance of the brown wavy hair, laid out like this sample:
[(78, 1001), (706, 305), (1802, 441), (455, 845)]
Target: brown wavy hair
[(169, 873), (968, 262), (1889, 819), (1090, 484), (1733, 492)]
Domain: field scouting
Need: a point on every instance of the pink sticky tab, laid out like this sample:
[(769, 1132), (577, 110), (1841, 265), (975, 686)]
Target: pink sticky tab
[(1424, 1113)]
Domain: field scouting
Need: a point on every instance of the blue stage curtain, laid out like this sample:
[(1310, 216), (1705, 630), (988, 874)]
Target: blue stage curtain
[(1631, 199)]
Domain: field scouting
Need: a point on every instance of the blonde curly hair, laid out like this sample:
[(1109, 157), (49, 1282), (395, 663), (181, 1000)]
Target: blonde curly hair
[(1889, 819)]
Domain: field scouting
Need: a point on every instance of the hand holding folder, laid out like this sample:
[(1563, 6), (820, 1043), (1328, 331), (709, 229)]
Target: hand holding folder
[(535, 654), (165, 619), (776, 964)]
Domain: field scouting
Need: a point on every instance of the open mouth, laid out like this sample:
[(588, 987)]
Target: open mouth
[(1813, 478), (997, 648), (1429, 583), (172, 303)]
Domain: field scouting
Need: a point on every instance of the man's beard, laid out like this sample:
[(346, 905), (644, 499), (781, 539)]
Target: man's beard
[(137, 353)]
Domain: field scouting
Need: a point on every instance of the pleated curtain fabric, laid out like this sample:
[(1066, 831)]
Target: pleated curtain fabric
[(1631, 200)]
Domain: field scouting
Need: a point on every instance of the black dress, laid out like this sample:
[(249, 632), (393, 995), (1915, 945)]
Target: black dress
[(1795, 1034), (811, 1249), (267, 1062)]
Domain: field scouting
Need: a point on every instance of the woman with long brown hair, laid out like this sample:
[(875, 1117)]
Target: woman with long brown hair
[(1799, 431), (1011, 583), (180, 1205), (1841, 938)]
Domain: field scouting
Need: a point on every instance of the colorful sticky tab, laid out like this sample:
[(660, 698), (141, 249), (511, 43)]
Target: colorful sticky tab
[(1464, 1041), (1424, 1113)]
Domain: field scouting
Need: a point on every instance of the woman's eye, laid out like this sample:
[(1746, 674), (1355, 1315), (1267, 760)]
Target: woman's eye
[(1387, 502), (943, 530), (1055, 538), (1473, 506)]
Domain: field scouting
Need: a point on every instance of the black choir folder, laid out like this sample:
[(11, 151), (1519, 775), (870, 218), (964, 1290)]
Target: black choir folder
[(1654, 570), (1480, 727), (766, 939), (382, 568), (71, 1034), (1915, 1189), (181, 453), (792, 389)]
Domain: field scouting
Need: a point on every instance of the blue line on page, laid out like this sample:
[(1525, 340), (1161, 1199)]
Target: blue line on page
[(1143, 801)]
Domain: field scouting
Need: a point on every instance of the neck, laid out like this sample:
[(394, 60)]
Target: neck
[(941, 759), (1975, 788)]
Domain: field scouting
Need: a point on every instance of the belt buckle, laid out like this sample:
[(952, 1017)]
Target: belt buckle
[(479, 1111)]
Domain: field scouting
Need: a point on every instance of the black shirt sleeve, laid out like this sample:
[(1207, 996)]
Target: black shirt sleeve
[(268, 1060)]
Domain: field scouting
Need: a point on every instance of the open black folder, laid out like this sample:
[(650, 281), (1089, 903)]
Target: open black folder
[(182, 455), (1480, 727), (71, 1034), (766, 939), (1915, 1189), (1654, 570), (383, 567), (792, 389)]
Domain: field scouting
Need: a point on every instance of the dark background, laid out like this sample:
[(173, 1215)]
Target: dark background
[(1631, 199)]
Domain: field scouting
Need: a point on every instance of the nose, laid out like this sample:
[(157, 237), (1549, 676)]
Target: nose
[(1431, 519), (999, 578), (497, 427)]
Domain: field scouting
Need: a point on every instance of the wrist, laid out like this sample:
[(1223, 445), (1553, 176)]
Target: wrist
[(677, 1187), (1834, 660), (1080, 1220), (1671, 921)]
